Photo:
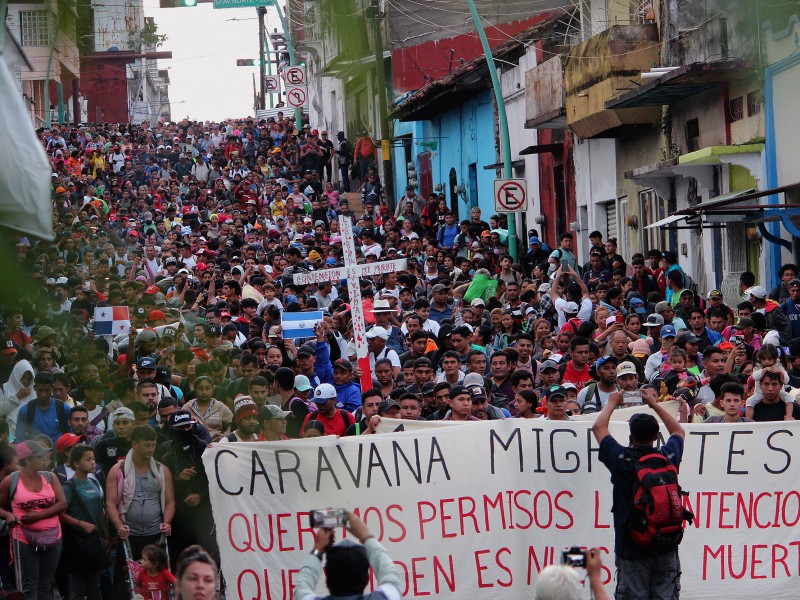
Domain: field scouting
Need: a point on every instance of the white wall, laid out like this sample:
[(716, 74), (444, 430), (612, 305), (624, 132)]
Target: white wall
[(512, 83), (595, 183)]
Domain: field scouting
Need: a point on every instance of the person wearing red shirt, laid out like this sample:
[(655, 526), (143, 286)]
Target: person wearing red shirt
[(155, 581), (334, 420), (15, 331), (577, 369), (273, 423)]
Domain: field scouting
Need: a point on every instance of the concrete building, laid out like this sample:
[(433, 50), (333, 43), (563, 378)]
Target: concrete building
[(15, 59), (39, 27), (662, 103), (781, 84), (447, 138), (119, 63)]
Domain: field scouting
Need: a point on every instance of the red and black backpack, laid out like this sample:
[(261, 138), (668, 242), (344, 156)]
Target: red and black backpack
[(659, 513)]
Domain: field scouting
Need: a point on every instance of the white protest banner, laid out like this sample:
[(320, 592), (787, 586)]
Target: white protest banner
[(476, 511), (621, 414)]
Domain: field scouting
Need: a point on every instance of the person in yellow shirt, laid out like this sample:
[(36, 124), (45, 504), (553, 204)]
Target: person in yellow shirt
[(97, 162)]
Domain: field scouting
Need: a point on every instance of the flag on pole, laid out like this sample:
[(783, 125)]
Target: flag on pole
[(111, 320), (300, 324)]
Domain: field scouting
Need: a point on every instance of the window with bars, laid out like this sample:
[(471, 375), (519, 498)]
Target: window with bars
[(34, 27)]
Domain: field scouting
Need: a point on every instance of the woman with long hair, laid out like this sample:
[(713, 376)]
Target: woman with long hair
[(36, 500)]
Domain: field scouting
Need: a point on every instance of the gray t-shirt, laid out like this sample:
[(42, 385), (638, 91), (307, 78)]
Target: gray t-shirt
[(144, 514)]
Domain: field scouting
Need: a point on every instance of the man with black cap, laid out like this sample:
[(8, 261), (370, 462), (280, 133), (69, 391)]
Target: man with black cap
[(556, 404), (347, 566), (193, 522), (460, 405), (642, 571)]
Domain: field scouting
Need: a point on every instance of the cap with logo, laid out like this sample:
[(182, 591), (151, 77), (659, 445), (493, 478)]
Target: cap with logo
[(611, 359), (637, 305), (323, 393), (244, 407), (344, 364), (555, 391), (714, 294), (654, 320), (667, 331), (626, 368), (477, 393), (9, 348), (146, 362), (179, 419)]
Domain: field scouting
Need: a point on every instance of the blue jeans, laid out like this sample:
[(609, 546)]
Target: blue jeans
[(38, 570), (656, 578)]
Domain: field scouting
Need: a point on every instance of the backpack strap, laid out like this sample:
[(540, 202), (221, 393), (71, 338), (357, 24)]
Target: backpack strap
[(61, 413), (13, 487), (346, 417)]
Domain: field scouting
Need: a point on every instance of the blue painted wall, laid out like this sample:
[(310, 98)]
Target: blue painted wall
[(465, 135)]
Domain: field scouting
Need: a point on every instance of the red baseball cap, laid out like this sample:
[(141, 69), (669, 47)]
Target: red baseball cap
[(152, 290), (156, 315), (67, 441)]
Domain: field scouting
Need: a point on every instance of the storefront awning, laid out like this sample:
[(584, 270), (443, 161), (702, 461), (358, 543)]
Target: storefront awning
[(681, 83)]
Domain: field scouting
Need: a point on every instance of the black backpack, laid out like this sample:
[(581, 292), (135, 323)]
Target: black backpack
[(60, 412)]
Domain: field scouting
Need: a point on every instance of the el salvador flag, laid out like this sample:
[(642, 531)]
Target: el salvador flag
[(111, 320), (300, 324)]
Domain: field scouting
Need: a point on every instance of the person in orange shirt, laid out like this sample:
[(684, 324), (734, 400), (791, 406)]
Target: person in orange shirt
[(73, 163)]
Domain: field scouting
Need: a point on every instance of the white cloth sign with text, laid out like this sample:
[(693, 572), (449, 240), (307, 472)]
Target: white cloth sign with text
[(477, 511)]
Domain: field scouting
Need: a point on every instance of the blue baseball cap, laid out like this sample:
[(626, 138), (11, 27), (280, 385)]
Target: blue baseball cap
[(637, 305), (330, 261), (604, 359), (533, 240), (667, 331)]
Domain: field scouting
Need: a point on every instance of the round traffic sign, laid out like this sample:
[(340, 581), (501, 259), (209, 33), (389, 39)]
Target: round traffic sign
[(511, 196), (295, 76), (296, 97)]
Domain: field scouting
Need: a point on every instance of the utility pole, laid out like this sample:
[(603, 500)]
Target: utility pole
[(298, 113), (262, 64), (374, 15), (505, 140), (255, 94)]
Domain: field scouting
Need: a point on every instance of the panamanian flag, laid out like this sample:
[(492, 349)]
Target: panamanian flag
[(111, 320), (300, 324)]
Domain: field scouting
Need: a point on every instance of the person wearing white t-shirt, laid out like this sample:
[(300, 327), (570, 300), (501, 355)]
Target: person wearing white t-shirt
[(376, 342)]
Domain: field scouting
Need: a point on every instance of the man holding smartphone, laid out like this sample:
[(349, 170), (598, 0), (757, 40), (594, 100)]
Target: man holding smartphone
[(347, 566)]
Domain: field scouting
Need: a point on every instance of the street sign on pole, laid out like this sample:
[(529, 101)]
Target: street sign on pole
[(296, 96), (509, 195), (242, 3), (352, 271), (295, 76), (272, 84)]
